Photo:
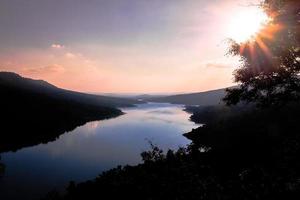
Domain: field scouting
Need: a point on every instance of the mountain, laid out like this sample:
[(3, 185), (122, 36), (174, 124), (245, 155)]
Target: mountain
[(9, 79), (146, 97), (34, 111), (208, 98)]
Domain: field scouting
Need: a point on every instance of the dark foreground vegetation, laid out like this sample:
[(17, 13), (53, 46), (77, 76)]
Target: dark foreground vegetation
[(33, 111), (2, 168)]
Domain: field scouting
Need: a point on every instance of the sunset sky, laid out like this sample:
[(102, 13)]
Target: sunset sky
[(121, 45)]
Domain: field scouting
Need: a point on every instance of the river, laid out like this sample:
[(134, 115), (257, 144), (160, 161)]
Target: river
[(85, 152)]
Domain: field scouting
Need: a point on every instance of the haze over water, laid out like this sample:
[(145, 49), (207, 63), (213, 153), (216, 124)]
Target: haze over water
[(83, 153)]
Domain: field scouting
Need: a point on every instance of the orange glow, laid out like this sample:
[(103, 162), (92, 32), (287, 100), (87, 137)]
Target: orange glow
[(257, 48), (267, 32), (246, 24)]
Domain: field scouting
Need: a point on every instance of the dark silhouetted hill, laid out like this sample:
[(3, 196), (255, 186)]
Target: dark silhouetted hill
[(208, 98), (10, 79), (34, 111)]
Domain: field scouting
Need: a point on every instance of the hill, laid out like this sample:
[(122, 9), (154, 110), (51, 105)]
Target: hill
[(34, 111), (9, 79), (208, 98)]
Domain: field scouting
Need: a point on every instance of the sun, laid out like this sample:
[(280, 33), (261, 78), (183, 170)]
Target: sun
[(246, 24)]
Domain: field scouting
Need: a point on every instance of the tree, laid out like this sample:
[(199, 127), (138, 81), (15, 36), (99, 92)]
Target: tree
[(270, 62), (2, 168)]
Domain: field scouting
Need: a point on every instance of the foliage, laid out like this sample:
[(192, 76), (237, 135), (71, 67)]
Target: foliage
[(270, 62), (2, 168), (154, 155)]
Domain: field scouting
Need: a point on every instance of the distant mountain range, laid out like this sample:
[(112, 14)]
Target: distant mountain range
[(208, 98), (34, 111)]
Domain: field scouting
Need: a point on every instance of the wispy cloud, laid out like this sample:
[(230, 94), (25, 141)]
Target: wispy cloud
[(57, 46), (70, 55), (218, 65), (50, 69)]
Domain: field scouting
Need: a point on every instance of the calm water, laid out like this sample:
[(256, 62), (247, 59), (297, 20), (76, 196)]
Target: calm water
[(83, 153)]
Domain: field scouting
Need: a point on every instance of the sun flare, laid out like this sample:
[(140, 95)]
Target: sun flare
[(246, 24)]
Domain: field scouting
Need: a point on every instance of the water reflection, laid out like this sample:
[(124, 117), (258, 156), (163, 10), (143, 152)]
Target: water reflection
[(86, 151)]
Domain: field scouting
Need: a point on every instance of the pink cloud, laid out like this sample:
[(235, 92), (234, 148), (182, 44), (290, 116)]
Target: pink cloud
[(50, 69), (70, 55), (218, 65), (57, 46)]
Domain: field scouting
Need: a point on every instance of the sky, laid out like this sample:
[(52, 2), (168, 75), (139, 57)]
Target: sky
[(121, 46)]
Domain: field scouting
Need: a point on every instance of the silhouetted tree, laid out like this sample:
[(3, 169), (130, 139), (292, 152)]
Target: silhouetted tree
[(2, 168), (269, 73)]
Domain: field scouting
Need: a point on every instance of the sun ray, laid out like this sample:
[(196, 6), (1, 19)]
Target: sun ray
[(263, 47)]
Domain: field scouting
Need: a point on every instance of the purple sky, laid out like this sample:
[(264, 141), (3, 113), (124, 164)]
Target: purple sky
[(120, 45)]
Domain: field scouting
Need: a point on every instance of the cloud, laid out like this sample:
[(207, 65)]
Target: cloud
[(219, 65), (70, 55), (57, 46), (50, 69)]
